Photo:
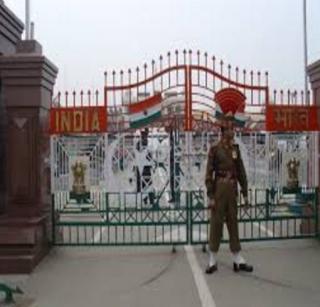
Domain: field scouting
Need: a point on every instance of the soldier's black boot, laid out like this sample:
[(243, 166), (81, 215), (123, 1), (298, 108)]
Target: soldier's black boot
[(211, 269), (242, 267)]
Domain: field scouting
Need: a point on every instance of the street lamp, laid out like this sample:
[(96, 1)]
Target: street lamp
[(305, 43), (27, 20)]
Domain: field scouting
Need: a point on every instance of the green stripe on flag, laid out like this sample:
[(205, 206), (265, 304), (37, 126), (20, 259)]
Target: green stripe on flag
[(240, 123), (145, 121)]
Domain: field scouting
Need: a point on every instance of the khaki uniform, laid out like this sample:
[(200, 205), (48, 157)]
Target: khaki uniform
[(224, 170)]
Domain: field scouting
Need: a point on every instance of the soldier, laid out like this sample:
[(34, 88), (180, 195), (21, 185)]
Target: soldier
[(224, 170), (144, 180), (174, 166)]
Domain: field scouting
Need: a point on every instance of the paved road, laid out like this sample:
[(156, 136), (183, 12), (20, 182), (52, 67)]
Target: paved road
[(287, 273)]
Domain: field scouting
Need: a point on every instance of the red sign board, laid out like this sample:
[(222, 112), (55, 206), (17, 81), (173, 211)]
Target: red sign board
[(292, 118), (78, 120)]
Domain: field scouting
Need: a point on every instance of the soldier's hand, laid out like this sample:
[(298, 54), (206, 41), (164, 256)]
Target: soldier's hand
[(211, 204)]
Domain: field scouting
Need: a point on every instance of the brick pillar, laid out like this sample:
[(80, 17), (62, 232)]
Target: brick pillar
[(27, 82), (314, 77), (10, 34)]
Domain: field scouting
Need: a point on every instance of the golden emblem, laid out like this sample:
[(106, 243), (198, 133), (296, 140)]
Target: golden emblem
[(78, 171)]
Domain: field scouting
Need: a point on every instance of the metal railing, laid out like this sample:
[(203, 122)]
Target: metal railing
[(126, 219)]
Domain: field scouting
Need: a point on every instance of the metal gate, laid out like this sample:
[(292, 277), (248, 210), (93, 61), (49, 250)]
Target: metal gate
[(147, 187)]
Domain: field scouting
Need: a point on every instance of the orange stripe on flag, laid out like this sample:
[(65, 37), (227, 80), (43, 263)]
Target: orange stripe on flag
[(145, 104)]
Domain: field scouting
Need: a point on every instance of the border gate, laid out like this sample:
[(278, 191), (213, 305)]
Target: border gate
[(147, 187)]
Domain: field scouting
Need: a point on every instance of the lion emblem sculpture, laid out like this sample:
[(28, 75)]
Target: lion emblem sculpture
[(78, 171)]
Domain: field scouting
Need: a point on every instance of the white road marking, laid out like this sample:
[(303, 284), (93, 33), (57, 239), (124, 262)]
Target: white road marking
[(201, 284), (204, 293)]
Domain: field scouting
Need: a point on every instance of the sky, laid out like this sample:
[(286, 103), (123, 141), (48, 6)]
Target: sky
[(85, 38)]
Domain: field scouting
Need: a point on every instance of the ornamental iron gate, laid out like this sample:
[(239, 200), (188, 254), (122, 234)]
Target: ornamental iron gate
[(130, 186)]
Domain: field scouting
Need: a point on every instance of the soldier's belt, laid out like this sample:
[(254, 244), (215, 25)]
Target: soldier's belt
[(225, 174), (226, 179)]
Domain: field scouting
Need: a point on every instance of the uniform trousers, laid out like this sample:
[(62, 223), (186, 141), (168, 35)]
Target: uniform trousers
[(225, 209)]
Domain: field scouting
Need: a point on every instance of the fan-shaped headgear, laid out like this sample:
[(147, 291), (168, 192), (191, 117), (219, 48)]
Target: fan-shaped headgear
[(230, 105)]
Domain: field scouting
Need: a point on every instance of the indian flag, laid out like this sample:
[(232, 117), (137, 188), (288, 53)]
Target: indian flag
[(144, 112), (240, 119)]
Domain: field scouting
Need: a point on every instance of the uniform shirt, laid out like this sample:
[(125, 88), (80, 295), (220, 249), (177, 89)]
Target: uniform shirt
[(223, 157)]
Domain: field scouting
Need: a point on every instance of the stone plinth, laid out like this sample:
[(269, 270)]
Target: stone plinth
[(27, 82)]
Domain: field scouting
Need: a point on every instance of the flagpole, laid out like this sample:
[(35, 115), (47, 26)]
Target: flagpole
[(313, 175), (305, 43), (27, 21)]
